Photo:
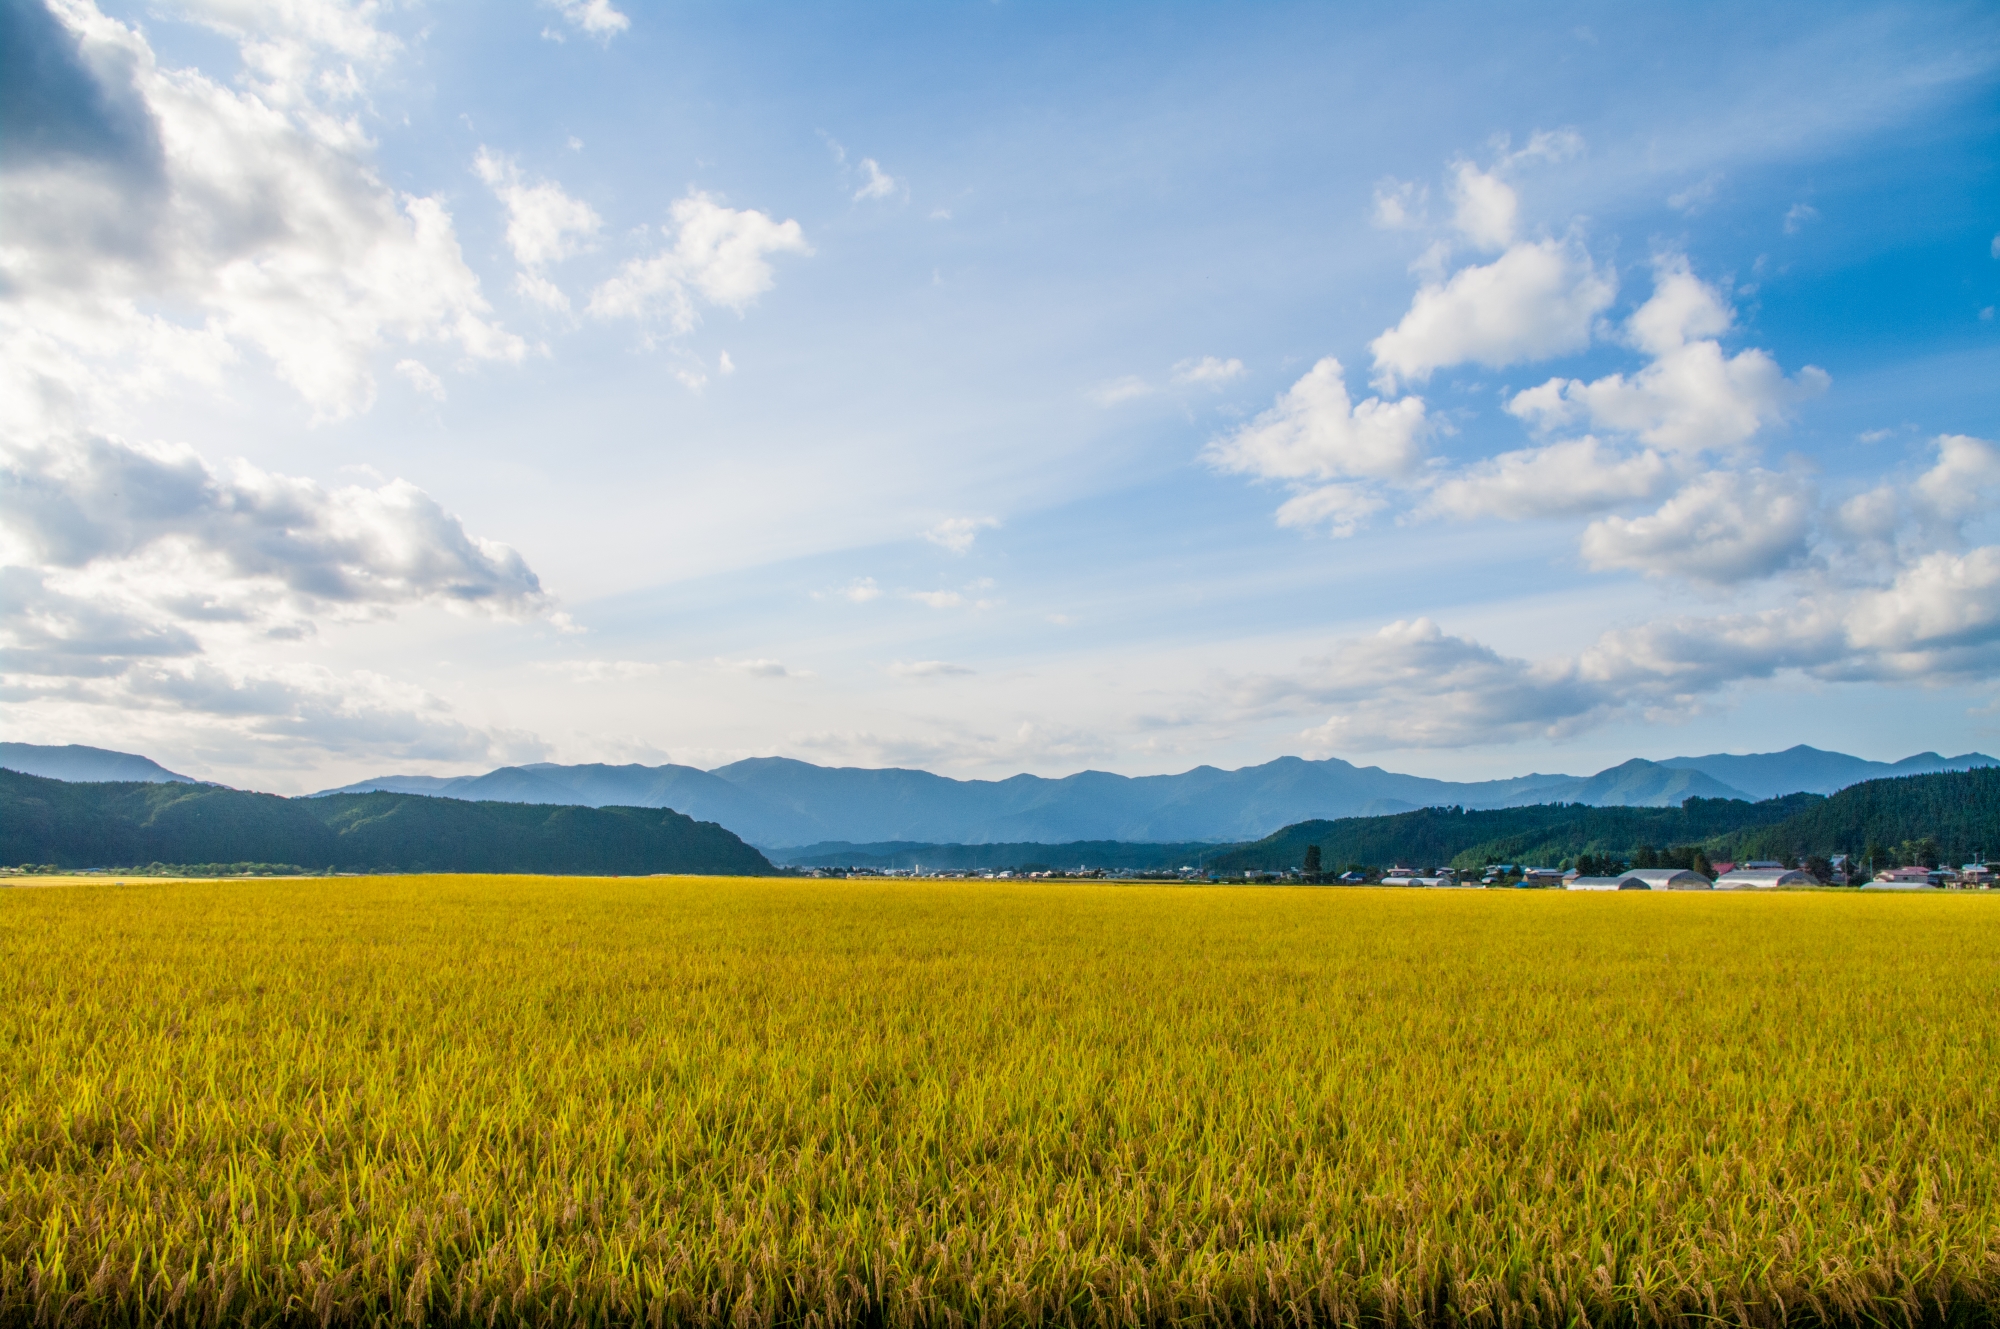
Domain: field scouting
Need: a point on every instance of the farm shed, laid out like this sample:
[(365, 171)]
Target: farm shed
[(1763, 879), (1664, 879), (1593, 883)]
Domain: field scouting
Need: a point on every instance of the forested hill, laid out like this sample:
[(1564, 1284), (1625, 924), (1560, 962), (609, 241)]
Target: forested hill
[(130, 825), (1958, 811), (1542, 834)]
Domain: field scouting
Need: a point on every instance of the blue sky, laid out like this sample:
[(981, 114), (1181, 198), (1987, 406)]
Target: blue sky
[(996, 387)]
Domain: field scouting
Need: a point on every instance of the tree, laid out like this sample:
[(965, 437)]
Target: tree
[(1645, 856), (1312, 868)]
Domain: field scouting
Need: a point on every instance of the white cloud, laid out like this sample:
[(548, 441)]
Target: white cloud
[(1207, 370), (1798, 216), (419, 376), (1692, 397), (719, 254), (1117, 390), (255, 539), (1573, 477), (544, 224), (221, 220), (862, 590), (267, 715), (1536, 300), (595, 18), (1723, 528), (1341, 508), (958, 533), (1485, 208), (1411, 685), (938, 599), (1400, 204), (878, 184), (1315, 432), (927, 669), (533, 286)]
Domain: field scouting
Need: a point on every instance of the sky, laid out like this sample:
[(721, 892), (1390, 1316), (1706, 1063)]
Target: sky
[(996, 387)]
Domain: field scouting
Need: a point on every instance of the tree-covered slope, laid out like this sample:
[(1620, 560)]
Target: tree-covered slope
[(116, 825), (1960, 810), (1543, 833)]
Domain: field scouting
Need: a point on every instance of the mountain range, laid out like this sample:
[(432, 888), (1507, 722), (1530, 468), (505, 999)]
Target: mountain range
[(773, 802)]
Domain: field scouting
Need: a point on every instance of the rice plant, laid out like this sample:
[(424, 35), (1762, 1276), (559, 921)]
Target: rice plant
[(711, 1101)]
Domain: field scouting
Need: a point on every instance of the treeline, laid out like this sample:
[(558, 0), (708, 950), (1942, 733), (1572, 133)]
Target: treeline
[(51, 822), (1543, 834), (1950, 817)]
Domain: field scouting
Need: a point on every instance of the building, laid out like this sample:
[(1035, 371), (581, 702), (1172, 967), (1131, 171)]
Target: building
[(1664, 879), (1907, 879), (1593, 883), (1746, 878)]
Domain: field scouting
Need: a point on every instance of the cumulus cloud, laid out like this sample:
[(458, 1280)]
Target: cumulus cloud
[(1537, 300), (544, 224), (1569, 478), (1691, 397), (101, 501), (1799, 216), (1411, 684), (938, 599), (1485, 208), (1723, 528), (958, 533), (160, 224), (1316, 432), (419, 376), (718, 254), (594, 18)]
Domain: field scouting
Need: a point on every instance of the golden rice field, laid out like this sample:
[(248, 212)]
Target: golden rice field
[(467, 1100)]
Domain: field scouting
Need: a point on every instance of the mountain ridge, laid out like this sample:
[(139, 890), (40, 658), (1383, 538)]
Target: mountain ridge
[(779, 802)]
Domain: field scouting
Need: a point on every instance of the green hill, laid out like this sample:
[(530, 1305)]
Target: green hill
[(1958, 810), (1543, 833), (117, 825)]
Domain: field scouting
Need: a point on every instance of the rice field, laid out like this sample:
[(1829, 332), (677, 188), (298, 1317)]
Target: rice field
[(506, 1100)]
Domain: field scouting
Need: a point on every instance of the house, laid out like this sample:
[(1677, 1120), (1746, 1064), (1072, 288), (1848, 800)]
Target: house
[(1664, 879), (1723, 867), (1592, 883), (1545, 876), (1907, 879), (1763, 879), (1976, 874)]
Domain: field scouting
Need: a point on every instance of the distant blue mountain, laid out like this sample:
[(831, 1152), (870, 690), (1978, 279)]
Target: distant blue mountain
[(82, 765), (776, 801), (1809, 770)]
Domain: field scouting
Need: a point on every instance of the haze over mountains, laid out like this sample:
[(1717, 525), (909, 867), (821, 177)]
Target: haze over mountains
[(775, 802)]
